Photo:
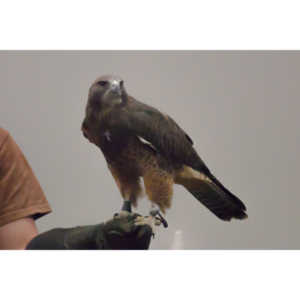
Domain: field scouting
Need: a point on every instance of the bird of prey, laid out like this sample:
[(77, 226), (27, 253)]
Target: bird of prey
[(138, 141)]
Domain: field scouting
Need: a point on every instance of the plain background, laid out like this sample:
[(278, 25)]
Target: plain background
[(240, 108)]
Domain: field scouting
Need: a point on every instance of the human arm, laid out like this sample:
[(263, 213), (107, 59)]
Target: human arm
[(17, 234), (21, 197)]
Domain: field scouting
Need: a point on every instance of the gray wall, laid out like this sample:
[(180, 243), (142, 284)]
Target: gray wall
[(240, 108)]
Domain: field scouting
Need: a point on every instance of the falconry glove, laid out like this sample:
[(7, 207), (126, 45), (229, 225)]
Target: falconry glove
[(118, 233)]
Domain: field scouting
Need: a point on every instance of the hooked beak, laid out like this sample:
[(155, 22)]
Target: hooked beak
[(117, 87)]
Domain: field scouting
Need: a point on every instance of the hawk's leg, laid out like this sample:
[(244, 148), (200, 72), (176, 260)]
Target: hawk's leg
[(126, 206), (159, 188), (156, 214), (128, 183)]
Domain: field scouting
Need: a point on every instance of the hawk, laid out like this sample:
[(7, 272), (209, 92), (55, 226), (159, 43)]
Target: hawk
[(138, 141)]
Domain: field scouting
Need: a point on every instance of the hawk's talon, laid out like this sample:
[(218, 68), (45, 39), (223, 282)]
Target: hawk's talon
[(157, 215), (163, 220)]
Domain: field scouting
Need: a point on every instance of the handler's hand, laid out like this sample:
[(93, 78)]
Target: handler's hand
[(122, 233)]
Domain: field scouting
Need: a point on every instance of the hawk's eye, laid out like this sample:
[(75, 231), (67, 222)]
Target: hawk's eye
[(102, 83)]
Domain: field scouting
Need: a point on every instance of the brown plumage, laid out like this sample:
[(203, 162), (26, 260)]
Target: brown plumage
[(138, 141)]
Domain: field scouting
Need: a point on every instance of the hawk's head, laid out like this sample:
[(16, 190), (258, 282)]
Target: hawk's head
[(107, 91)]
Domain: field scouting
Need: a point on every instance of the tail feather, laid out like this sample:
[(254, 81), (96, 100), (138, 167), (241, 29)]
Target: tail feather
[(233, 198), (212, 194), (218, 204)]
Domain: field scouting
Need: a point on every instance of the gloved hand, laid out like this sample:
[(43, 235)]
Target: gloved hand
[(120, 233)]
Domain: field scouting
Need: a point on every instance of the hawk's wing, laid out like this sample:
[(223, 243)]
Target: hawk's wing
[(161, 131)]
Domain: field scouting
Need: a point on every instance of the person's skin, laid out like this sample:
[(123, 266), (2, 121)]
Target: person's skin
[(16, 235)]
